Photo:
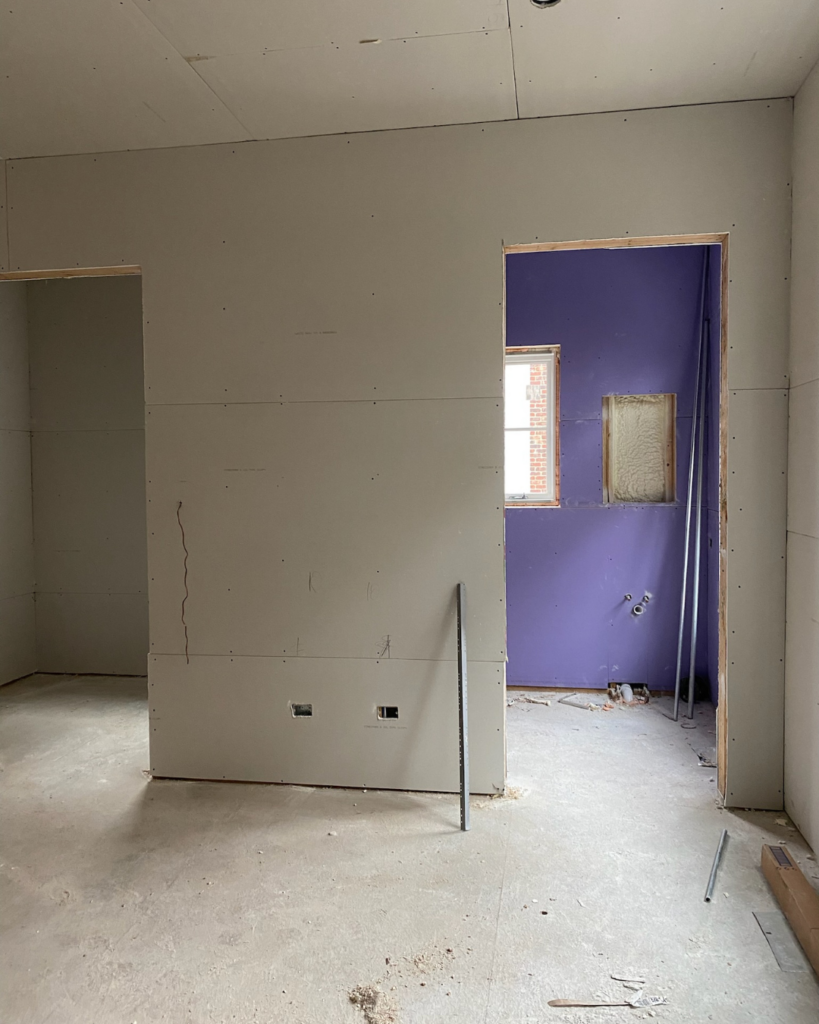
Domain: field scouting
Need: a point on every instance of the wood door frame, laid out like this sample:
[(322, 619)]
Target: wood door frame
[(720, 238), (45, 275)]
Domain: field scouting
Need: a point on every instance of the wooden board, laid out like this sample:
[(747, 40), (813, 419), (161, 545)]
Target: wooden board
[(797, 897)]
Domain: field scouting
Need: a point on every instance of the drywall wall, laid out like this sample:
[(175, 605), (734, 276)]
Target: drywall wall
[(317, 276), (627, 322), (802, 651), (17, 656), (88, 468)]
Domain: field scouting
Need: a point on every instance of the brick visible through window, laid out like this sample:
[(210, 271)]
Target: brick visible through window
[(531, 404)]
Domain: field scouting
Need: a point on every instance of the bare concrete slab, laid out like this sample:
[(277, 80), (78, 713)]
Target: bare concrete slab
[(128, 899)]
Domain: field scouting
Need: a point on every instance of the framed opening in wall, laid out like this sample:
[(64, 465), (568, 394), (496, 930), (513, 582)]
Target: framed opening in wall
[(531, 397)]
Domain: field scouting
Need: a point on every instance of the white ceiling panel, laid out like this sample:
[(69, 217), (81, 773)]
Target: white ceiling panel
[(595, 55), (95, 75), (395, 84), (220, 27)]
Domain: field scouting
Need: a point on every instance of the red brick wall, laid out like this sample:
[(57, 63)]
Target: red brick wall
[(539, 417)]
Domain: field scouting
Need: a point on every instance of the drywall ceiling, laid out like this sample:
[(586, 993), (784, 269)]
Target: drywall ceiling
[(97, 75)]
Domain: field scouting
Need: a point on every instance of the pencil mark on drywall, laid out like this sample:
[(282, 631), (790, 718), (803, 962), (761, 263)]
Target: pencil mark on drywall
[(369, 591), (184, 578), (385, 647), (310, 583), (298, 647), (750, 62), (311, 334), (196, 57)]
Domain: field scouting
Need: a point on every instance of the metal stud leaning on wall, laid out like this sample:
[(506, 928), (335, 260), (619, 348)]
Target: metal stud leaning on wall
[(698, 406), (695, 596), (462, 710)]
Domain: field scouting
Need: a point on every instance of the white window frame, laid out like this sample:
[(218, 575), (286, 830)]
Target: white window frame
[(550, 355)]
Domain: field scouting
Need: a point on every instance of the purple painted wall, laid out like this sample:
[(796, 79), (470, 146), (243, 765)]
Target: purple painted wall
[(627, 323)]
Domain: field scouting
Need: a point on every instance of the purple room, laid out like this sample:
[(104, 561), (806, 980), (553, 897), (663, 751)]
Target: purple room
[(594, 573)]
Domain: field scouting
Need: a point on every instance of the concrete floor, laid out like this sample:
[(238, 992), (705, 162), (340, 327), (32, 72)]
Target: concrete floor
[(131, 900)]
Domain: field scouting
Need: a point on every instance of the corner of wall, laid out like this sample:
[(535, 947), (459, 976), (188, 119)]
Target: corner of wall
[(802, 609)]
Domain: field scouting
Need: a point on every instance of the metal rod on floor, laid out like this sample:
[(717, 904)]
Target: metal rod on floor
[(709, 889), (695, 596), (462, 709), (695, 404)]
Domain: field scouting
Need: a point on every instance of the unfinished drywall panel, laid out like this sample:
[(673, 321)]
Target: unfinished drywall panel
[(802, 686), (86, 362), (4, 238), (92, 633), (802, 649), (232, 718), (360, 299), (88, 471), (441, 78), (253, 256), (755, 603), (804, 340), (89, 511), (121, 85), (378, 519), (16, 542), (803, 442), (255, 25)]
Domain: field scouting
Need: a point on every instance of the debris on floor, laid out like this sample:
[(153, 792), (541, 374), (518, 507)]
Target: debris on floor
[(374, 1005), (510, 793), (525, 698), (574, 700), (628, 979)]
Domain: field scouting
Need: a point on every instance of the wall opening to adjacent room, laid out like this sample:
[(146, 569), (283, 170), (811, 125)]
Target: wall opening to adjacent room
[(594, 578)]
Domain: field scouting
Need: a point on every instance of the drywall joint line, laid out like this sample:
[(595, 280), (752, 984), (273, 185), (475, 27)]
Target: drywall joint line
[(512, 53), (411, 128), (327, 401), (321, 657), (8, 212), (88, 430), (90, 593)]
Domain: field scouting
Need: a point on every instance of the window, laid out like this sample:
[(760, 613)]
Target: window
[(639, 457), (530, 410)]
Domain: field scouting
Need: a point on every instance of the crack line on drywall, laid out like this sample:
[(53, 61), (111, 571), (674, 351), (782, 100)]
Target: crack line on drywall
[(512, 51), (184, 578)]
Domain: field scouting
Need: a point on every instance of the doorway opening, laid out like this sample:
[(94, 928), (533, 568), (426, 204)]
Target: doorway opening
[(595, 576), (74, 539)]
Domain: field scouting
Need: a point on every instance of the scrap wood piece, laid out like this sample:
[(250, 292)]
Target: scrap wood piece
[(797, 898), (636, 1001), (524, 698)]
